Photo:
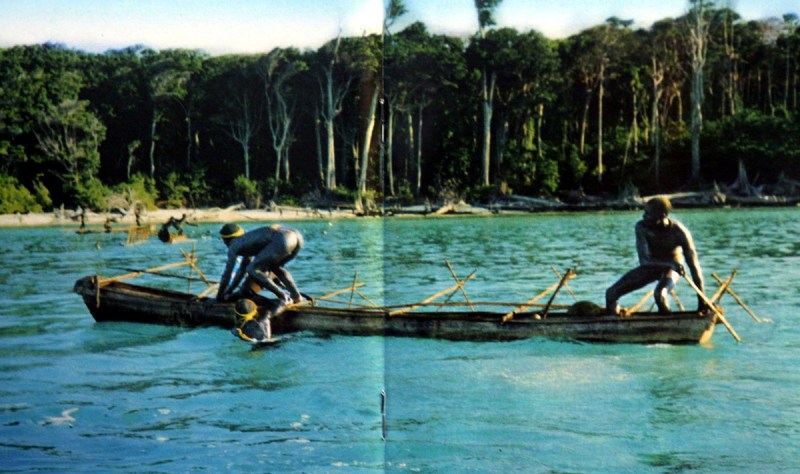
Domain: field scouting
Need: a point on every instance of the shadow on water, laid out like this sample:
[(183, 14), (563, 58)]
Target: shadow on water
[(112, 336)]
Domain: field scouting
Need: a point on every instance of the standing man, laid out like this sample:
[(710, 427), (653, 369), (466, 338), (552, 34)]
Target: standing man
[(264, 252), (664, 245)]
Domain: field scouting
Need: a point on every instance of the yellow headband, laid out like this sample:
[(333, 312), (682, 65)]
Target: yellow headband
[(248, 316), (238, 232), (245, 336)]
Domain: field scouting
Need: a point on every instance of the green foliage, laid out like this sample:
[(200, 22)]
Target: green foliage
[(65, 114), (480, 193), (174, 192), (199, 188), (248, 191), (92, 194), (768, 145), (140, 190), (14, 197)]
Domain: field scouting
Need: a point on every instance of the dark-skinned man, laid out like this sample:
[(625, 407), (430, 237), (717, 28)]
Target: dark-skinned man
[(664, 246), (264, 252)]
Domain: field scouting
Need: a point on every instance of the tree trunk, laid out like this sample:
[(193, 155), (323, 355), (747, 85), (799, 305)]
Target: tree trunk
[(330, 176), (655, 119), (320, 165), (600, 93), (188, 142), (410, 122), (285, 152), (539, 144), (585, 119), (488, 106), (389, 147), (699, 35), (362, 180), (152, 152), (419, 151)]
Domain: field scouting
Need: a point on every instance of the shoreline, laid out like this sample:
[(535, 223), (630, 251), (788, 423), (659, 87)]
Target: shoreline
[(157, 217)]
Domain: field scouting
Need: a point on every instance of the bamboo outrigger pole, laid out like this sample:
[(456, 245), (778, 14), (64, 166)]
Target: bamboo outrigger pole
[(723, 286), (106, 281), (570, 274), (529, 303), (738, 300), (641, 302), (433, 297), (343, 290), (713, 308), (463, 291), (566, 285)]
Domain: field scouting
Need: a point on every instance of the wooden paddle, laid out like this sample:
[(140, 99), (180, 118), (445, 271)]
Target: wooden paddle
[(738, 300), (713, 308)]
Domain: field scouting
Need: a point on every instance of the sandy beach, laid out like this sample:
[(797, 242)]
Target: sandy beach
[(69, 217)]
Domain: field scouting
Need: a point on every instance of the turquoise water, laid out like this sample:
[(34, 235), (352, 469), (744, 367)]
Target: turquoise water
[(78, 396)]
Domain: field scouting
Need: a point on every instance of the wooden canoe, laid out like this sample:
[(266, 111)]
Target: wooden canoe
[(118, 301)]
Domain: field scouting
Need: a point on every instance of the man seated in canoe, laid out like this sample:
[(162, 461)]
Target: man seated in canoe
[(264, 252), (663, 246)]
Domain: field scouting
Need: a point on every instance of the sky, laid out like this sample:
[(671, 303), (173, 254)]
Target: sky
[(254, 26)]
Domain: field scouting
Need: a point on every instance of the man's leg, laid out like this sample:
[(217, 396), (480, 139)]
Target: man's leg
[(631, 281), (271, 260), (294, 243), (665, 285)]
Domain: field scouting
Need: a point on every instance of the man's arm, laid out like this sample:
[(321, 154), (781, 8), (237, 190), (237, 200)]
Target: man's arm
[(226, 275), (240, 272), (690, 256)]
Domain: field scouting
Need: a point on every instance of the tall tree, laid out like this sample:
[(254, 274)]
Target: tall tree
[(698, 39), (277, 70), (70, 134), (369, 63), (333, 88), (168, 77), (485, 10)]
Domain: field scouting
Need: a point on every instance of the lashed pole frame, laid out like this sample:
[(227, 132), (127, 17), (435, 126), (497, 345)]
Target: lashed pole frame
[(433, 297), (521, 308), (738, 299)]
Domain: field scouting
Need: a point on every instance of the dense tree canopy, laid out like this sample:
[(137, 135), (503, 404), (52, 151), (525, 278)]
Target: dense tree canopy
[(407, 114)]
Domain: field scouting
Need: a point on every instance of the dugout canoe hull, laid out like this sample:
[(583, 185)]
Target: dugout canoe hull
[(119, 301)]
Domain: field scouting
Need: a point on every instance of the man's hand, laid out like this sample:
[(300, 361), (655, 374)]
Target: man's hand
[(679, 269)]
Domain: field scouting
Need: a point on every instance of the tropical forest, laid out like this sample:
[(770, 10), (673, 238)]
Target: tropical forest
[(708, 100)]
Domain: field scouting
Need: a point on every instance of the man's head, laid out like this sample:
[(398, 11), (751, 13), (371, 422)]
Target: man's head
[(230, 232), (657, 209), (248, 327)]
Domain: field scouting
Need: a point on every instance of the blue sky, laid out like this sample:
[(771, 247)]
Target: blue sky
[(250, 26)]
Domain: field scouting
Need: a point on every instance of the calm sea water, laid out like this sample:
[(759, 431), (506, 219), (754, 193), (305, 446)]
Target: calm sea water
[(78, 396)]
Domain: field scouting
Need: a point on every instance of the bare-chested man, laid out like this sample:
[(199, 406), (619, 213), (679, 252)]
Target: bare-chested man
[(663, 246), (264, 252)]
